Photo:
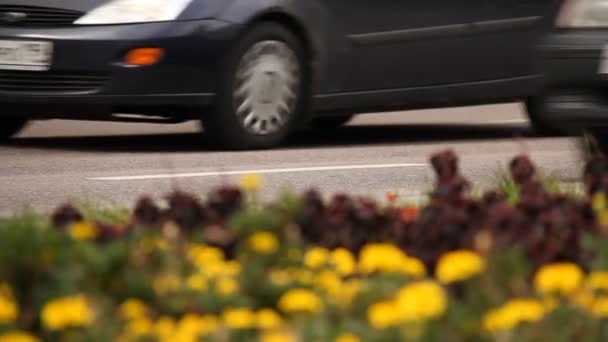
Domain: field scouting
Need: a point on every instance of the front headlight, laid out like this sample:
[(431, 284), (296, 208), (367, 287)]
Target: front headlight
[(583, 13), (134, 11)]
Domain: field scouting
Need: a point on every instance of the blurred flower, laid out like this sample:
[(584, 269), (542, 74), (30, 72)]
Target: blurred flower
[(599, 280), (414, 267), (343, 261), (202, 255), (268, 319), (349, 290), (279, 277), (300, 300), (408, 214), (239, 318), (391, 197), (388, 258), (383, 314), (197, 282), (276, 336), (264, 243), (562, 278), (226, 286), (329, 282), (251, 182), (166, 283), (18, 336), (316, 257), (164, 327), (139, 327), (133, 309), (84, 231), (421, 301), (9, 310), (583, 298), (600, 307), (207, 325), (347, 338), (71, 311), (459, 266), (599, 201), (512, 313)]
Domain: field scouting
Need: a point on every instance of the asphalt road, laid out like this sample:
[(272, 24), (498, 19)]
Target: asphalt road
[(114, 163)]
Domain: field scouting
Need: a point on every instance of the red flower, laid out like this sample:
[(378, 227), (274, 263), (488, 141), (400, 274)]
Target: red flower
[(408, 214), (392, 197)]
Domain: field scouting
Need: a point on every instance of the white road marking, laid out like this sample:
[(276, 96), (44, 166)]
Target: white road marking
[(260, 171)]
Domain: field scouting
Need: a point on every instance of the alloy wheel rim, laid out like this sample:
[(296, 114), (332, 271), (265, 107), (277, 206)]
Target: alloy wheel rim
[(266, 88)]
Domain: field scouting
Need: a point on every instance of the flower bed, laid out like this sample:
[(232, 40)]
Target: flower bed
[(301, 269)]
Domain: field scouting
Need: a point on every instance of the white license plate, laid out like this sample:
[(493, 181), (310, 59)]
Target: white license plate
[(25, 55)]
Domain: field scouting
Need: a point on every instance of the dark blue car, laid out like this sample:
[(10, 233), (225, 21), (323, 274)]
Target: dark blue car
[(254, 70)]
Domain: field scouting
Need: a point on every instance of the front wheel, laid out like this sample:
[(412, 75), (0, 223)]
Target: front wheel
[(264, 90), (10, 127)]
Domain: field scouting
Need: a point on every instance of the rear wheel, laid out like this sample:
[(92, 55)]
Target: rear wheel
[(535, 107), (330, 122), (265, 88), (10, 127)]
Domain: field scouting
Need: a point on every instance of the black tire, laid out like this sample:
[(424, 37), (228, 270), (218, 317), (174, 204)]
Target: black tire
[(535, 108), (330, 122), (10, 127), (223, 126)]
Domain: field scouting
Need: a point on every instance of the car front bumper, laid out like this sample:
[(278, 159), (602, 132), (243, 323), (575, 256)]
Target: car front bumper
[(577, 89), (87, 70)]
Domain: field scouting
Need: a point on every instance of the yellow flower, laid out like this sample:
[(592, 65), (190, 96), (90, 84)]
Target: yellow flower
[(511, 314), (459, 266), (583, 298), (197, 282), (421, 301), (71, 311), (348, 292), (329, 282), (133, 309), (166, 283), (164, 327), (388, 258), (343, 261), (383, 314), (280, 277), (276, 336), (232, 268), (347, 338), (561, 278), (139, 327), (599, 280), (414, 267), (268, 319), (316, 257), (300, 300), (226, 286), (599, 201), (203, 256), (264, 243), (251, 182), (239, 318), (9, 311), (84, 231), (18, 336), (600, 307)]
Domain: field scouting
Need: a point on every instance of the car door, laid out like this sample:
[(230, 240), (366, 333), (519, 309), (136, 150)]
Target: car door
[(393, 44), (509, 33)]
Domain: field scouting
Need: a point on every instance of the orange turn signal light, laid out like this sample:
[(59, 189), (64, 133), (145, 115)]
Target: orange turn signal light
[(144, 56)]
